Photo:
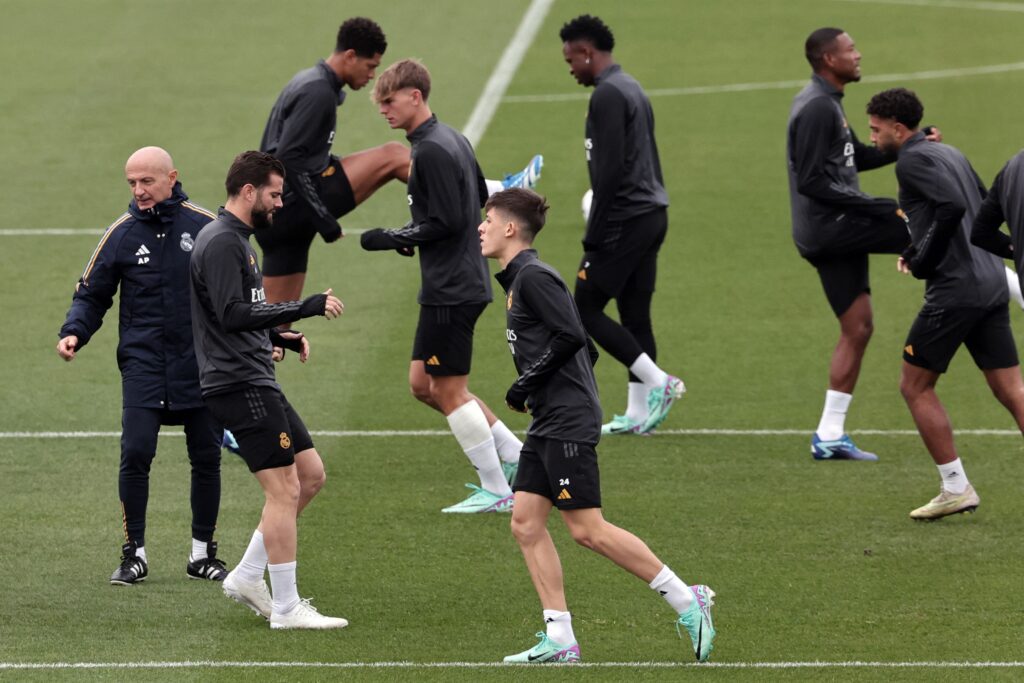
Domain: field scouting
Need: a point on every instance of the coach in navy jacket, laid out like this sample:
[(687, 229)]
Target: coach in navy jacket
[(146, 253)]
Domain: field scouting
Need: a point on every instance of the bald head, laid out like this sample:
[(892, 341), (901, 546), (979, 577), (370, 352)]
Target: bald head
[(151, 175)]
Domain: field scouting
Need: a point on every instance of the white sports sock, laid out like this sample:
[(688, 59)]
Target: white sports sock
[(636, 403), (1013, 283), (833, 417), (494, 186), (254, 561), (469, 425), (954, 478), (559, 625), (283, 587), (649, 373), (507, 444), (676, 593), (140, 553), (198, 550)]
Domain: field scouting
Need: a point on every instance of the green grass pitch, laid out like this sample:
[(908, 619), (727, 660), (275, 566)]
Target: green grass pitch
[(813, 562)]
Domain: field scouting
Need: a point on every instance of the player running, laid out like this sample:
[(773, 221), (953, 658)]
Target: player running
[(558, 464)]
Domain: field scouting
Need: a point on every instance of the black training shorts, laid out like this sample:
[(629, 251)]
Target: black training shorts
[(268, 430), (628, 253), (285, 244), (565, 472), (444, 338), (937, 333), (842, 261)]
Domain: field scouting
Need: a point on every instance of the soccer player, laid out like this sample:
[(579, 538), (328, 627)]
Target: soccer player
[(446, 191), (146, 253), (965, 299), (234, 339), (835, 225), (1004, 203), (558, 464), (320, 187), (626, 224)]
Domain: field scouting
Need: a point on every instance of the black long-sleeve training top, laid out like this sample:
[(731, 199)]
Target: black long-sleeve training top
[(446, 192), (300, 132), (551, 352), (1004, 203), (941, 194), (622, 155), (823, 156), (231, 319)]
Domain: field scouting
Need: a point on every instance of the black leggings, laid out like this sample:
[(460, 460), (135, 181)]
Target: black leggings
[(625, 340)]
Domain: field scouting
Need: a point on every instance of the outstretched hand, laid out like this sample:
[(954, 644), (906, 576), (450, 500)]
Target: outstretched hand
[(333, 306)]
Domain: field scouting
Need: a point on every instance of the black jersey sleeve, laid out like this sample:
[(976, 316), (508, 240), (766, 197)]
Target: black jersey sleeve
[(550, 301), (308, 124), (919, 175), (607, 115), (813, 132), (985, 232), (439, 187), (223, 266)]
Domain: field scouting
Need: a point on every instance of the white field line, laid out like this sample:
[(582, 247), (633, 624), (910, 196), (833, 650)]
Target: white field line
[(397, 433), (951, 4), (497, 665), (785, 85), (477, 124), (56, 232), (504, 71)]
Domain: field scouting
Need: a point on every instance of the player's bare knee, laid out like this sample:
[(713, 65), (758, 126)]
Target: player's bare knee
[(311, 483), (526, 531), (398, 154), (421, 392)]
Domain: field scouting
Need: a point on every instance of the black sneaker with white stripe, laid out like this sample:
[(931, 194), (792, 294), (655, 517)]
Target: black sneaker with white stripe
[(133, 568), (209, 567)]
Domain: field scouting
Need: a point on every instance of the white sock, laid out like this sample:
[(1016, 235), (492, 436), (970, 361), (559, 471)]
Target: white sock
[(649, 373), (1013, 283), (507, 444), (469, 425), (140, 553), (833, 417), (676, 593), (636, 402), (254, 561), (954, 478), (283, 587), (494, 186), (198, 550), (559, 626)]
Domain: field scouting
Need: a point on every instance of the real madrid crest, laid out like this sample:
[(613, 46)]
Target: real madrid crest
[(186, 242)]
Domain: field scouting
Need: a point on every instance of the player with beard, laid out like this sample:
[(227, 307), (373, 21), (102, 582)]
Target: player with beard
[(234, 339), (965, 292), (835, 225)]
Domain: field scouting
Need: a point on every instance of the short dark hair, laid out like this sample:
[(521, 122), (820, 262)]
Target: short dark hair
[(898, 104), (362, 35), (251, 168), (592, 29), (528, 208), (818, 44)]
